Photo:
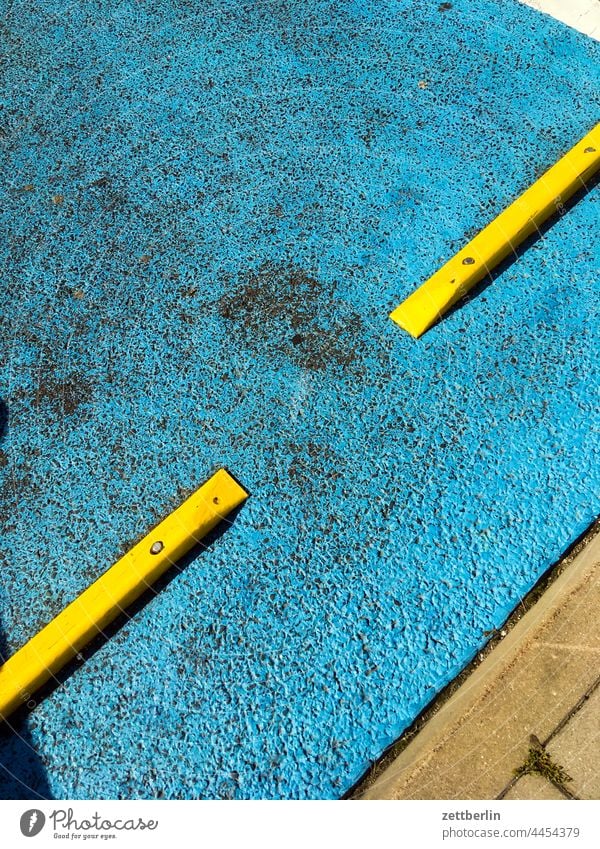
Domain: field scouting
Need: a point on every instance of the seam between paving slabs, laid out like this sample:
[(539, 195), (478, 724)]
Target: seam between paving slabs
[(537, 745)]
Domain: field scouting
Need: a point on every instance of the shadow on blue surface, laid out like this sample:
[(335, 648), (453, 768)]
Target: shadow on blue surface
[(22, 775)]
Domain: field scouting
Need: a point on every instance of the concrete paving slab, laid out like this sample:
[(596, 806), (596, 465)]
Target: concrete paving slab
[(527, 685), (576, 748), (534, 787), (582, 15)]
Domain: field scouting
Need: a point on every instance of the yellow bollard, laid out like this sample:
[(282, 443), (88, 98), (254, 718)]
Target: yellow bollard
[(82, 620), (505, 233)]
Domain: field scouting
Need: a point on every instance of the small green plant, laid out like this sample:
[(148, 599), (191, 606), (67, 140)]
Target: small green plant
[(539, 762)]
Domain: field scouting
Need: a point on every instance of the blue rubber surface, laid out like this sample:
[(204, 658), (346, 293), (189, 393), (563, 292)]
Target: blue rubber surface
[(210, 209)]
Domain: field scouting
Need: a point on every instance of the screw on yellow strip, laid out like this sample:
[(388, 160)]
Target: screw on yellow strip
[(46, 653), (505, 233)]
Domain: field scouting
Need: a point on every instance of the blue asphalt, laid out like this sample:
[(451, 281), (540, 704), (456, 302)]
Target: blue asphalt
[(209, 208)]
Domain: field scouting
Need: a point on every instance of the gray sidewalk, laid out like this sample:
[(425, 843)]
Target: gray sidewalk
[(526, 723)]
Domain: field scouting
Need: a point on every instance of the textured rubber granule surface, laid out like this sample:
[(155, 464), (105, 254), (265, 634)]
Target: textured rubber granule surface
[(210, 209)]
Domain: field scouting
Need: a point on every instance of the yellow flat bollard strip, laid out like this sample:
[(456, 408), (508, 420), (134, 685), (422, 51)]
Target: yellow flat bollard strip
[(505, 233), (61, 640)]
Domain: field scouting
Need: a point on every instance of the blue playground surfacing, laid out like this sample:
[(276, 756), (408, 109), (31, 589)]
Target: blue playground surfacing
[(210, 209)]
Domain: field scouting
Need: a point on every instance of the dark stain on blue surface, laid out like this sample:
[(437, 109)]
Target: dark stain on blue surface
[(63, 396), (282, 308)]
